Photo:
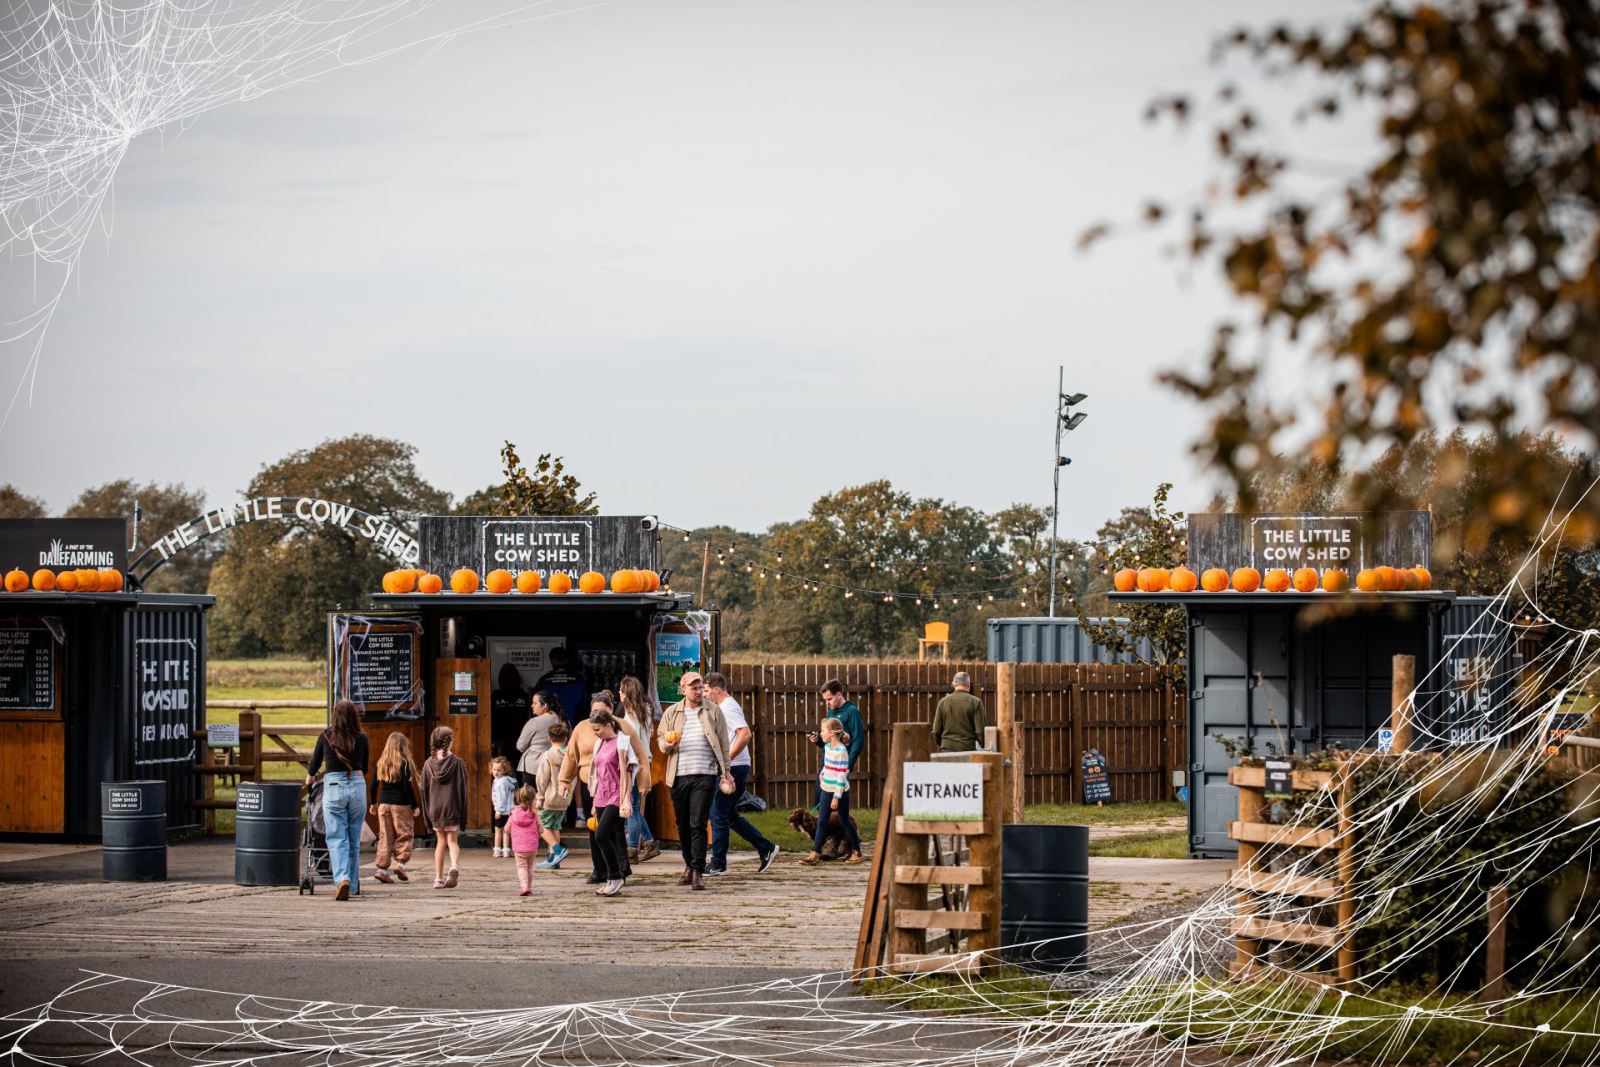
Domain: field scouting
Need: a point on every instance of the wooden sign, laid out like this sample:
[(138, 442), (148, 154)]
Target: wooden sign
[(542, 543), (1348, 541), (28, 666), (1096, 779), (942, 792)]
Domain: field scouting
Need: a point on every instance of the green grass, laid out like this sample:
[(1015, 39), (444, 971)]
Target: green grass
[(1110, 815), (1156, 845)]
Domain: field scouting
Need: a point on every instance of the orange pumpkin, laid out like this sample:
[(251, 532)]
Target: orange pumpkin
[(1305, 580), (430, 583), (560, 582), (1246, 579), (672, 737), (44, 579), (89, 582), (591, 582), (593, 824), (627, 582), (464, 580), (652, 581), (388, 581), (110, 580), (1389, 579), (1335, 580), (405, 580), (1424, 577), (528, 582), (1408, 580), (1154, 579), (16, 580), (498, 581), (1183, 580), (1125, 580), (1275, 580), (1367, 580), (67, 581), (1214, 580)]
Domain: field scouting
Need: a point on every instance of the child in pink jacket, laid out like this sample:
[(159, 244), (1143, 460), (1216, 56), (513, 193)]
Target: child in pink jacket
[(524, 827)]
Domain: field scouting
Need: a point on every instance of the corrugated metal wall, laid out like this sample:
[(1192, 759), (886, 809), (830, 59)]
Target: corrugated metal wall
[(167, 698), (1483, 657), (1055, 640)]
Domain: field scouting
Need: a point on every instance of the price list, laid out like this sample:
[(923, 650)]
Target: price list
[(27, 668)]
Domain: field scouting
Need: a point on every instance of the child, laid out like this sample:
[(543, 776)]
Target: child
[(524, 833), (397, 806), (502, 796), (444, 800), (551, 800), (833, 792)]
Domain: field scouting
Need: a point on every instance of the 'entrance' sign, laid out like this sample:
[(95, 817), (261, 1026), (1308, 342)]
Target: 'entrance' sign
[(943, 792)]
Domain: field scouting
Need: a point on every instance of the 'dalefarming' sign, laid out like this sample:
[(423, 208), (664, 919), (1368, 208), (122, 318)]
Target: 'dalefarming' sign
[(63, 544), (943, 791)]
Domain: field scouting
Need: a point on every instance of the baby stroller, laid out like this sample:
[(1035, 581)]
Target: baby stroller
[(315, 860)]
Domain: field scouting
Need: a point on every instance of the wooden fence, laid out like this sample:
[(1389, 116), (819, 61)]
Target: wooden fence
[(1134, 718)]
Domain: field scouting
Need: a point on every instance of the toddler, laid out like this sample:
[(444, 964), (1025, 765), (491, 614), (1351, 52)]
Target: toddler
[(503, 794), (523, 829)]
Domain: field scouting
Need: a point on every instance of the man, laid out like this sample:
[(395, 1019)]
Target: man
[(849, 717), (725, 806), (958, 721), (568, 685), (694, 735)]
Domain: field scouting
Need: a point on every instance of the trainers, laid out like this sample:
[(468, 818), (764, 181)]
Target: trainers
[(342, 892), (559, 853), (382, 875), (716, 872), (766, 859), (611, 888), (526, 893), (451, 877), (400, 872), (648, 851), (438, 883)]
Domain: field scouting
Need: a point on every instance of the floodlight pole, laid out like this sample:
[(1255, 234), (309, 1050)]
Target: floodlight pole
[(1055, 503)]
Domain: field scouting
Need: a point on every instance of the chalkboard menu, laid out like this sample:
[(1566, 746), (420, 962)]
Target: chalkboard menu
[(27, 666), (1096, 779), (379, 668)]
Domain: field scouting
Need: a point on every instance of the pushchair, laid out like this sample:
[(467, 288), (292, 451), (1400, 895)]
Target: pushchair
[(315, 861)]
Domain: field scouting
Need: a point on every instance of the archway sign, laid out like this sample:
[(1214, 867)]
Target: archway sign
[(390, 537)]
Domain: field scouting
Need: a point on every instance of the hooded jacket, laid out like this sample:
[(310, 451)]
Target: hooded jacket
[(444, 791), (524, 830)]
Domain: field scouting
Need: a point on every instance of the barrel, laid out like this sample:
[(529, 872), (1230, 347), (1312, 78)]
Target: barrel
[(1044, 895), (133, 831), (266, 829)]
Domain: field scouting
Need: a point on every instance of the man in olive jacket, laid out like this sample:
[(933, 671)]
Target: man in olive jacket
[(958, 721), (694, 735)]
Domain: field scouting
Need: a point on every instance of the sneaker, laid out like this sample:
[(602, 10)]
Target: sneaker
[(451, 877), (549, 863), (716, 872), (648, 851), (633, 855), (342, 891), (611, 889), (766, 859), (400, 872), (526, 893), (382, 875), (438, 883), (559, 853)]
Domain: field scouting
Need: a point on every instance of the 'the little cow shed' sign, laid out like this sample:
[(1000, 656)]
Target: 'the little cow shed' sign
[(943, 792)]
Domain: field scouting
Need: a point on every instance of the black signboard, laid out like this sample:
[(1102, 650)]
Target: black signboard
[(27, 666), (63, 544), (383, 667), (1096, 778), (1280, 777), (167, 681), (1563, 723), (463, 703), (125, 801)]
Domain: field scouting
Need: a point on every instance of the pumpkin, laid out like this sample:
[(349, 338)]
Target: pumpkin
[(1154, 579), (89, 582), (430, 583), (110, 580), (591, 582), (1408, 580), (672, 737), (1125, 579), (16, 580), (44, 579), (388, 581), (528, 582), (406, 580), (1424, 577), (1276, 580), (498, 581), (464, 580), (1247, 579), (1335, 580), (1214, 580), (560, 582), (627, 582), (652, 581), (1367, 580), (593, 824), (1183, 580), (1305, 580), (1389, 579), (67, 581)]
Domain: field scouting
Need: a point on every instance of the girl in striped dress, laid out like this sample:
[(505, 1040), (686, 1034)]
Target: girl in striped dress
[(833, 792)]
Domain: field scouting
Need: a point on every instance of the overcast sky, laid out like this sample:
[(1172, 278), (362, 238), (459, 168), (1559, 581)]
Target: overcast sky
[(722, 256)]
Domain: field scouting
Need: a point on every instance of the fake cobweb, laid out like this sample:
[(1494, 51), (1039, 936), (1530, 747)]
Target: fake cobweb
[(1477, 804), (80, 80)]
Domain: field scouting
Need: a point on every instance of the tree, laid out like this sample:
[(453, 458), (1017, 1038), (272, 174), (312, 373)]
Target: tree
[(276, 581), (1455, 278), (15, 504), (164, 508), (549, 490)]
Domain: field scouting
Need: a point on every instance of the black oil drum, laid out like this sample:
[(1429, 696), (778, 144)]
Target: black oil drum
[(133, 831), (1044, 896), (266, 841)]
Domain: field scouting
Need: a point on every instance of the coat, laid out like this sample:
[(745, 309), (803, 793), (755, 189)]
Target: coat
[(711, 721), (444, 791)]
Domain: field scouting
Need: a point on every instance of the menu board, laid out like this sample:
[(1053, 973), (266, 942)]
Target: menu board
[(382, 666), (1096, 778), (27, 666)]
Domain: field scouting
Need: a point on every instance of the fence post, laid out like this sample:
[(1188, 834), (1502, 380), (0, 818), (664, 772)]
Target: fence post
[(250, 744), (1008, 730), (1075, 714), (1401, 685), (1165, 790)]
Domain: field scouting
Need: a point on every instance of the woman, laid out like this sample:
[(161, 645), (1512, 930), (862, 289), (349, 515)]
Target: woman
[(611, 777), (544, 710), (636, 714), (343, 748)]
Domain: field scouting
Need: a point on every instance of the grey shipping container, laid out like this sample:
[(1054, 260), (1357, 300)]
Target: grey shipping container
[(1045, 639)]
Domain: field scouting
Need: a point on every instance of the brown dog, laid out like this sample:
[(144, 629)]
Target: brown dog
[(834, 846)]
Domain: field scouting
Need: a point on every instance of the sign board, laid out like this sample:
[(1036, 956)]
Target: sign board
[(542, 543), (1231, 539), (529, 655), (27, 665), (1280, 777), (383, 666), (63, 544), (463, 703), (1319, 541), (1385, 740), (676, 655), (167, 711), (1563, 723), (463, 682), (249, 799), (126, 801), (1096, 778), (942, 791), (384, 535), (222, 734)]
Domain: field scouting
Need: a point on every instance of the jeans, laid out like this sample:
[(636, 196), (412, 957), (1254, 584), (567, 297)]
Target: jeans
[(691, 801), (638, 828), (344, 812), (725, 817), (824, 803)]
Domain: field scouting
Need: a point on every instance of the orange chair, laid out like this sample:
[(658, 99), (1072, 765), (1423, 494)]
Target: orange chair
[(934, 633)]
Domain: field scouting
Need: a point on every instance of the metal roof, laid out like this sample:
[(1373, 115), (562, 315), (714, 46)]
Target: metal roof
[(1441, 597), (128, 598), (540, 601)]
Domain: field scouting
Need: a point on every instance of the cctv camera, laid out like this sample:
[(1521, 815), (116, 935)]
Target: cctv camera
[(1062, 461), (648, 523)]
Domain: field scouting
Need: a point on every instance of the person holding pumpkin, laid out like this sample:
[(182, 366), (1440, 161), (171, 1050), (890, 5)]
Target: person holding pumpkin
[(577, 769), (694, 736), (611, 777), (343, 746)]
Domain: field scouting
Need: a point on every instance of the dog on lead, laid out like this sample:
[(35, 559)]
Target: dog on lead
[(835, 846)]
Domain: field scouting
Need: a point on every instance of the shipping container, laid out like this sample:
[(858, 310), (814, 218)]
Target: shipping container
[(1045, 639)]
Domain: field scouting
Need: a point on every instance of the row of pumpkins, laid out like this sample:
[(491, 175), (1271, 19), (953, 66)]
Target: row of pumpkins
[(465, 580), (1277, 580), (45, 580)]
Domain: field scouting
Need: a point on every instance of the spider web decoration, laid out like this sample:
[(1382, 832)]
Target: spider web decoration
[(81, 79), (1154, 993)]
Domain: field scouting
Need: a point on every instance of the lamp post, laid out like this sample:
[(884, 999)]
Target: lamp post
[(1066, 421)]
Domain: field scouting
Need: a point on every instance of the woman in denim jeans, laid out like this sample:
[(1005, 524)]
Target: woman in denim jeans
[(343, 747), (636, 709)]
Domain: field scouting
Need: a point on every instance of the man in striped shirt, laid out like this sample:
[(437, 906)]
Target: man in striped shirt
[(694, 735)]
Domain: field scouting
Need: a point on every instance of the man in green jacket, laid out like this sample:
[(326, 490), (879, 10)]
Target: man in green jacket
[(958, 721)]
